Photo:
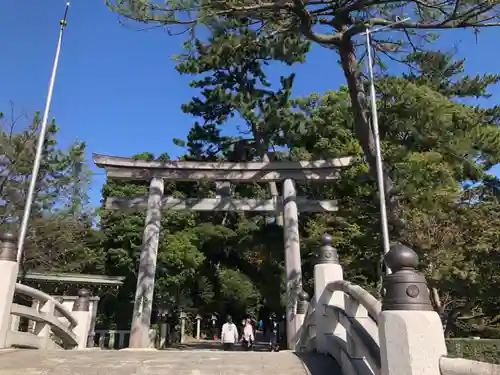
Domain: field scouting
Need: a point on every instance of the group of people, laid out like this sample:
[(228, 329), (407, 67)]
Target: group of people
[(230, 335)]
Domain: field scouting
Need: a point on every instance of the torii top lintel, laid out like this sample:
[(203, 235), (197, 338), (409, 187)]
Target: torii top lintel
[(118, 168)]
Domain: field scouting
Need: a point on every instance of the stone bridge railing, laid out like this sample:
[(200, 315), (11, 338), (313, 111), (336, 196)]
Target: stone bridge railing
[(115, 339), (401, 335), (50, 324), (112, 338)]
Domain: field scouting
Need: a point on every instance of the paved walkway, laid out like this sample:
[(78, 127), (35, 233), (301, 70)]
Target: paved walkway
[(166, 362), (259, 346)]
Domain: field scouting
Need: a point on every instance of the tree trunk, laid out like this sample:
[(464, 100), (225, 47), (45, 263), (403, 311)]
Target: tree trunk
[(362, 128), (357, 95), (436, 300)]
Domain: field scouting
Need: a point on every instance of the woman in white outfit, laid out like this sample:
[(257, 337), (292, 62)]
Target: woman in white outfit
[(229, 334), (248, 335)]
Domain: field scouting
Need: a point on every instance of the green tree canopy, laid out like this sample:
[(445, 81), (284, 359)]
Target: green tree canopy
[(60, 221), (334, 25)]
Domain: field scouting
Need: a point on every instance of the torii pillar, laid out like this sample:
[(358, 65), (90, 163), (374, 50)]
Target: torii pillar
[(143, 303), (293, 265)]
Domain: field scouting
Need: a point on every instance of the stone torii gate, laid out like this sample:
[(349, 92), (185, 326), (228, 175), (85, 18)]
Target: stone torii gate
[(223, 174)]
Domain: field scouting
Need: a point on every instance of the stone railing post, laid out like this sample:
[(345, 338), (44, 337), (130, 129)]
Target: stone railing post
[(82, 314), (300, 314), (121, 339), (410, 331), (214, 332), (163, 330), (198, 326), (42, 329), (14, 322), (183, 317), (36, 305), (326, 271), (94, 302), (8, 277), (152, 338), (112, 340)]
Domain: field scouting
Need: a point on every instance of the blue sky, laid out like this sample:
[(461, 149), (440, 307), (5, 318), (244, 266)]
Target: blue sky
[(117, 88)]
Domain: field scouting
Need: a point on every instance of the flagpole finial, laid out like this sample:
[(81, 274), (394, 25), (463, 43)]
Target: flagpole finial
[(63, 22)]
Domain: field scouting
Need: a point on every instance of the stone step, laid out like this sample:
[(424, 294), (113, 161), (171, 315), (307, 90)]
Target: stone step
[(192, 362)]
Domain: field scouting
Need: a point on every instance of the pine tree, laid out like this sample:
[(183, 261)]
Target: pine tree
[(237, 88), (335, 26)]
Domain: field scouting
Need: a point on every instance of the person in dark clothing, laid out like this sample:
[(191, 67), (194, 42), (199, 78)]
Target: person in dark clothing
[(274, 334)]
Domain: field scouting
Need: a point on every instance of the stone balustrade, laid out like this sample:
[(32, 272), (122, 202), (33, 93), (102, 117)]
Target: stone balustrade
[(115, 339), (112, 338), (400, 335), (51, 324)]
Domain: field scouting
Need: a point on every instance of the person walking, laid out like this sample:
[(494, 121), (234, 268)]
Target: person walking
[(274, 334), (248, 337), (229, 334)]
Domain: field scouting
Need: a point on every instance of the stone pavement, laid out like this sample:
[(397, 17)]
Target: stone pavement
[(165, 362), (192, 344)]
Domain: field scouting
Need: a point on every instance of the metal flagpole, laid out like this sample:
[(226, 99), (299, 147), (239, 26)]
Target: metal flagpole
[(41, 141), (376, 136), (378, 151)]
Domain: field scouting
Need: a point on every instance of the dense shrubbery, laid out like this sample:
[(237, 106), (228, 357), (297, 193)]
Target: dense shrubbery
[(486, 350)]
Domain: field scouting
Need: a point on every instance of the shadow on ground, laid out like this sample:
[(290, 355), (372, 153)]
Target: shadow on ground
[(216, 345), (319, 364)]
